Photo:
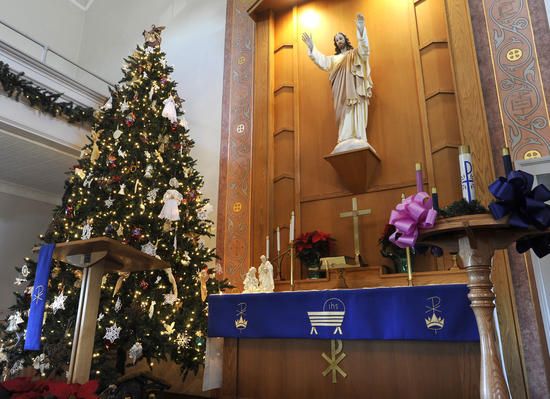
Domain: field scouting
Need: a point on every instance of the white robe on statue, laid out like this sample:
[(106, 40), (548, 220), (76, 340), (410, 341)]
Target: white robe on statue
[(349, 75)]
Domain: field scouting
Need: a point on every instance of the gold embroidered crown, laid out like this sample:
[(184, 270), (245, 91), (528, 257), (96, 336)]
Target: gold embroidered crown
[(435, 322), (241, 323)]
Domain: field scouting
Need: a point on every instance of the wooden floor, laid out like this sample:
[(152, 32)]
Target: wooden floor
[(285, 368)]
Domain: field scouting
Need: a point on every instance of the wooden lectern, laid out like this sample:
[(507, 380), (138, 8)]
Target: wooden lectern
[(96, 257)]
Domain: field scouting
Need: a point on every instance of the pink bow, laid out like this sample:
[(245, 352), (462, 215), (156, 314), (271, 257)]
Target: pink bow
[(413, 213)]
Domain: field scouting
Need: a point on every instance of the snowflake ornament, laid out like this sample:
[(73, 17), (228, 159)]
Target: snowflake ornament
[(124, 106), (135, 352), (13, 322), (17, 367), (58, 302), (152, 195), (149, 249), (183, 340), (112, 333), (203, 212), (19, 281), (169, 299), (109, 202), (25, 271)]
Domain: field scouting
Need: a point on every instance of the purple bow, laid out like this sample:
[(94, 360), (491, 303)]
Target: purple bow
[(525, 206), (515, 197), (413, 213)]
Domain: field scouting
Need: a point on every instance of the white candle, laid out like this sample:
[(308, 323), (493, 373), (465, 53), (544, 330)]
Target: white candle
[(291, 233), (267, 247), (466, 173), (278, 240)]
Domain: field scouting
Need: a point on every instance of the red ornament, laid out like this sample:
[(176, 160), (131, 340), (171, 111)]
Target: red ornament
[(116, 179), (69, 211), (144, 284), (130, 119), (111, 161), (174, 127), (136, 233), (177, 146)]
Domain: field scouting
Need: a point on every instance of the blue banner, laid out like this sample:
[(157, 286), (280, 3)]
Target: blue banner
[(433, 313), (38, 297)]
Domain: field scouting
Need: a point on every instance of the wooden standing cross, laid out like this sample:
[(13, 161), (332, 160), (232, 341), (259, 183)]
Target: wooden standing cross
[(355, 213)]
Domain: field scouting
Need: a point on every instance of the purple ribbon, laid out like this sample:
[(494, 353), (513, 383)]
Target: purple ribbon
[(413, 213), (525, 206)]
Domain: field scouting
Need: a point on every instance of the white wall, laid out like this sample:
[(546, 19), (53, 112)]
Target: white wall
[(194, 43), (56, 23), (21, 222)]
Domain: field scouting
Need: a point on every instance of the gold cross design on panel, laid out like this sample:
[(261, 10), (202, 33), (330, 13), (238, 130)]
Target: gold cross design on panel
[(355, 213), (336, 348)]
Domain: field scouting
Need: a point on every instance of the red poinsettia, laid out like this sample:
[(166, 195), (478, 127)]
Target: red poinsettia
[(27, 388), (312, 246)]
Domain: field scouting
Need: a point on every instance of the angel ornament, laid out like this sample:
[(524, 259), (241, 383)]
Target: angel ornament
[(172, 198), (169, 110)]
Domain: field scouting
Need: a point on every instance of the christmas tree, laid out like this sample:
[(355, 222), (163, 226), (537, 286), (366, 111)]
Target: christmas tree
[(135, 182)]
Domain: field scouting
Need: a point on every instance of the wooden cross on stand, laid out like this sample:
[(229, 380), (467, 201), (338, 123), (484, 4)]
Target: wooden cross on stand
[(355, 213)]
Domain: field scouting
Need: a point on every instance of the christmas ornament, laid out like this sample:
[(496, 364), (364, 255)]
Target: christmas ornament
[(144, 75), (144, 284), (121, 153), (169, 299), (130, 119), (171, 199), (100, 317), (136, 185), (148, 171), (152, 37), (80, 173), (169, 110), (182, 340), (117, 133), (109, 202), (147, 154), (120, 230), (88, 181), (108, 104), (121, 277), (152, 309), (183, 122), (149, 249), (118, 305), (172, 280), (204, 211), (163, 140), (136, 233), (58, 302), (86, 231), (41, 363), (169, 328), (112, 333), (135, 352), (69, 211), (185, 258), (199, 333), (13, 322), (17, 367), (124, 106), (157, 279), (203, 278), (19, 281), (122, 188), (111, 161), (159, 157), (95, 149), (109, 230), (3, 355), (154, 88)]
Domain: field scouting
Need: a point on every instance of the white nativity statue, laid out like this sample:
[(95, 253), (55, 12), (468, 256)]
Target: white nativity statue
[(250, 282), (265, 272), (349, 75)]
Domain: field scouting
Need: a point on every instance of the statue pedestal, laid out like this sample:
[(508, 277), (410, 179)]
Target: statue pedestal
[(356, 168), (96, 256), (475, 238)]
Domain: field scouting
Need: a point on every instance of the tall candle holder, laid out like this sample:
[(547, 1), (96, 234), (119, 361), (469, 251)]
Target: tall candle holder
[(291, 245)]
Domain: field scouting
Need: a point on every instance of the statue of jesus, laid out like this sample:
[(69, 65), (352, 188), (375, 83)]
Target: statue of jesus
[(349, 75)]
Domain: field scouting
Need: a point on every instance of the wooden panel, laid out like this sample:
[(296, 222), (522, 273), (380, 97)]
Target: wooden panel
[(283, 102), (430, 19), (436, 70), (447, 175), (283, 28), (284, 153), (289, 368), (283, 66), (443, 121)]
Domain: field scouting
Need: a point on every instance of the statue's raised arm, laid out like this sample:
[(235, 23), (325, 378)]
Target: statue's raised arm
[(349, 75)]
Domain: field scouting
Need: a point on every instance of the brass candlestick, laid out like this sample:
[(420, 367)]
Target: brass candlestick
[(291, 245), (409, 268)]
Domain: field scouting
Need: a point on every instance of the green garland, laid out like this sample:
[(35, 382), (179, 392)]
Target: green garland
[(462, 207), (15, 85)]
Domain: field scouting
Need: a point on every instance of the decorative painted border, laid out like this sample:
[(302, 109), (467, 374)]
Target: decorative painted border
[(234, 200), (520, 92)]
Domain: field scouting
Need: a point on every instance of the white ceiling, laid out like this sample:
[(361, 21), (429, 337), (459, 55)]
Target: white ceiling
[(32, 165), (84, 5)]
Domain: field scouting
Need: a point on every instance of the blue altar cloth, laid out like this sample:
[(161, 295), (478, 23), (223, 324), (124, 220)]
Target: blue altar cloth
[(429, 313)]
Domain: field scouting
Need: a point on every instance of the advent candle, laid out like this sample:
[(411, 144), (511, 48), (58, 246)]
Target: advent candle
[(466, 173), (419, 179), (278, 240), (291, 232), (435, 199), (267, 247), (507, 161)]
